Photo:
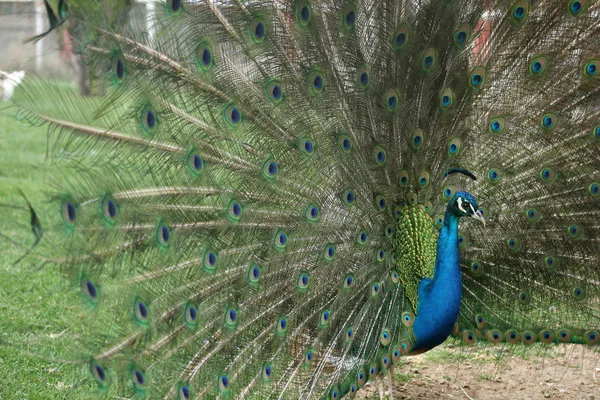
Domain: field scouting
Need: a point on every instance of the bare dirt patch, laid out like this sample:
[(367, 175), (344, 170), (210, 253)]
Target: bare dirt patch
[(557, 372)]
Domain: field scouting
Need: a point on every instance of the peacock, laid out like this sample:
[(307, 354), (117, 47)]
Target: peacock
[(281, 198)]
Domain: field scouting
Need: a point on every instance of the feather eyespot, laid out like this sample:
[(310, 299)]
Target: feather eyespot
[(380, 202), (528, 337), (163, 235), (591, 337), (417, 139), (446, 99), (174, 6), (325, 318), (348, 281), (578, 293), (303, 281), (594, 189), (591, 69), (99, 373), (231, 317), (312, 213), (209, 260), (547, 175), (149, 121), (349, 334), (403, 179), (520, 11), (575, 231), (380, 255), (281, 240), (274, 92), (449, 191), (396, 353), (183, 392), (361, 377), (109, 210), (141, 311), (462, 34), (195, 162), (308, 357), (429, 59), (408, 318), (348, 197), (138, 378), (304, 12), (375, 289), (254, 273), (439, 221), (233, 115), (514, 244), (477, 78), (385, 337), (191, 315), (547, 336), (267, 370), (119, 72), (223, 383), (423, 179), (270, 169), (551, 262), (234, 211), (362, 237), (524, 297), (335, 394), (538, 65), (576, 7), (386, 362), (476, 268), (400, 37), (349, 16), (281, 327), (379, 155), (388, 230), (469, 337), (564, 335), (363, 77), (373, 370), (495, 336), (533, 214), (549, 121), (512, 336), (391, 99), (306, 146), (329, 253), (497, 125), (258, 30), (345, 143), (90, 291), (204, 56), (454, 147), (316, 81), (495, 175)]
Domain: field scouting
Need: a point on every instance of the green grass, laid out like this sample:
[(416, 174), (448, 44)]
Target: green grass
[(27, 290)]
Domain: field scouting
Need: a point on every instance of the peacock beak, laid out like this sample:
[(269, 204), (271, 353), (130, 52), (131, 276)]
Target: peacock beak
[(478, 215)]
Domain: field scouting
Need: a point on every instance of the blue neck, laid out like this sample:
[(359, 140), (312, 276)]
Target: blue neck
[(439, 298)]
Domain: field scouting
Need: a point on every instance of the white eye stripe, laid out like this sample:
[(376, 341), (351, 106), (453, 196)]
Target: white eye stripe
[(460, 206), (472, 209)]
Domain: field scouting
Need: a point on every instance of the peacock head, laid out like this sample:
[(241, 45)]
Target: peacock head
[(463, 204)]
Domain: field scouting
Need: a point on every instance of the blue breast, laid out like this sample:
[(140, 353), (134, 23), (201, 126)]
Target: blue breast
[(439, 298)]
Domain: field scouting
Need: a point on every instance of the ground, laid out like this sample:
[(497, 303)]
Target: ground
[(518, 372), (558, 372)]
